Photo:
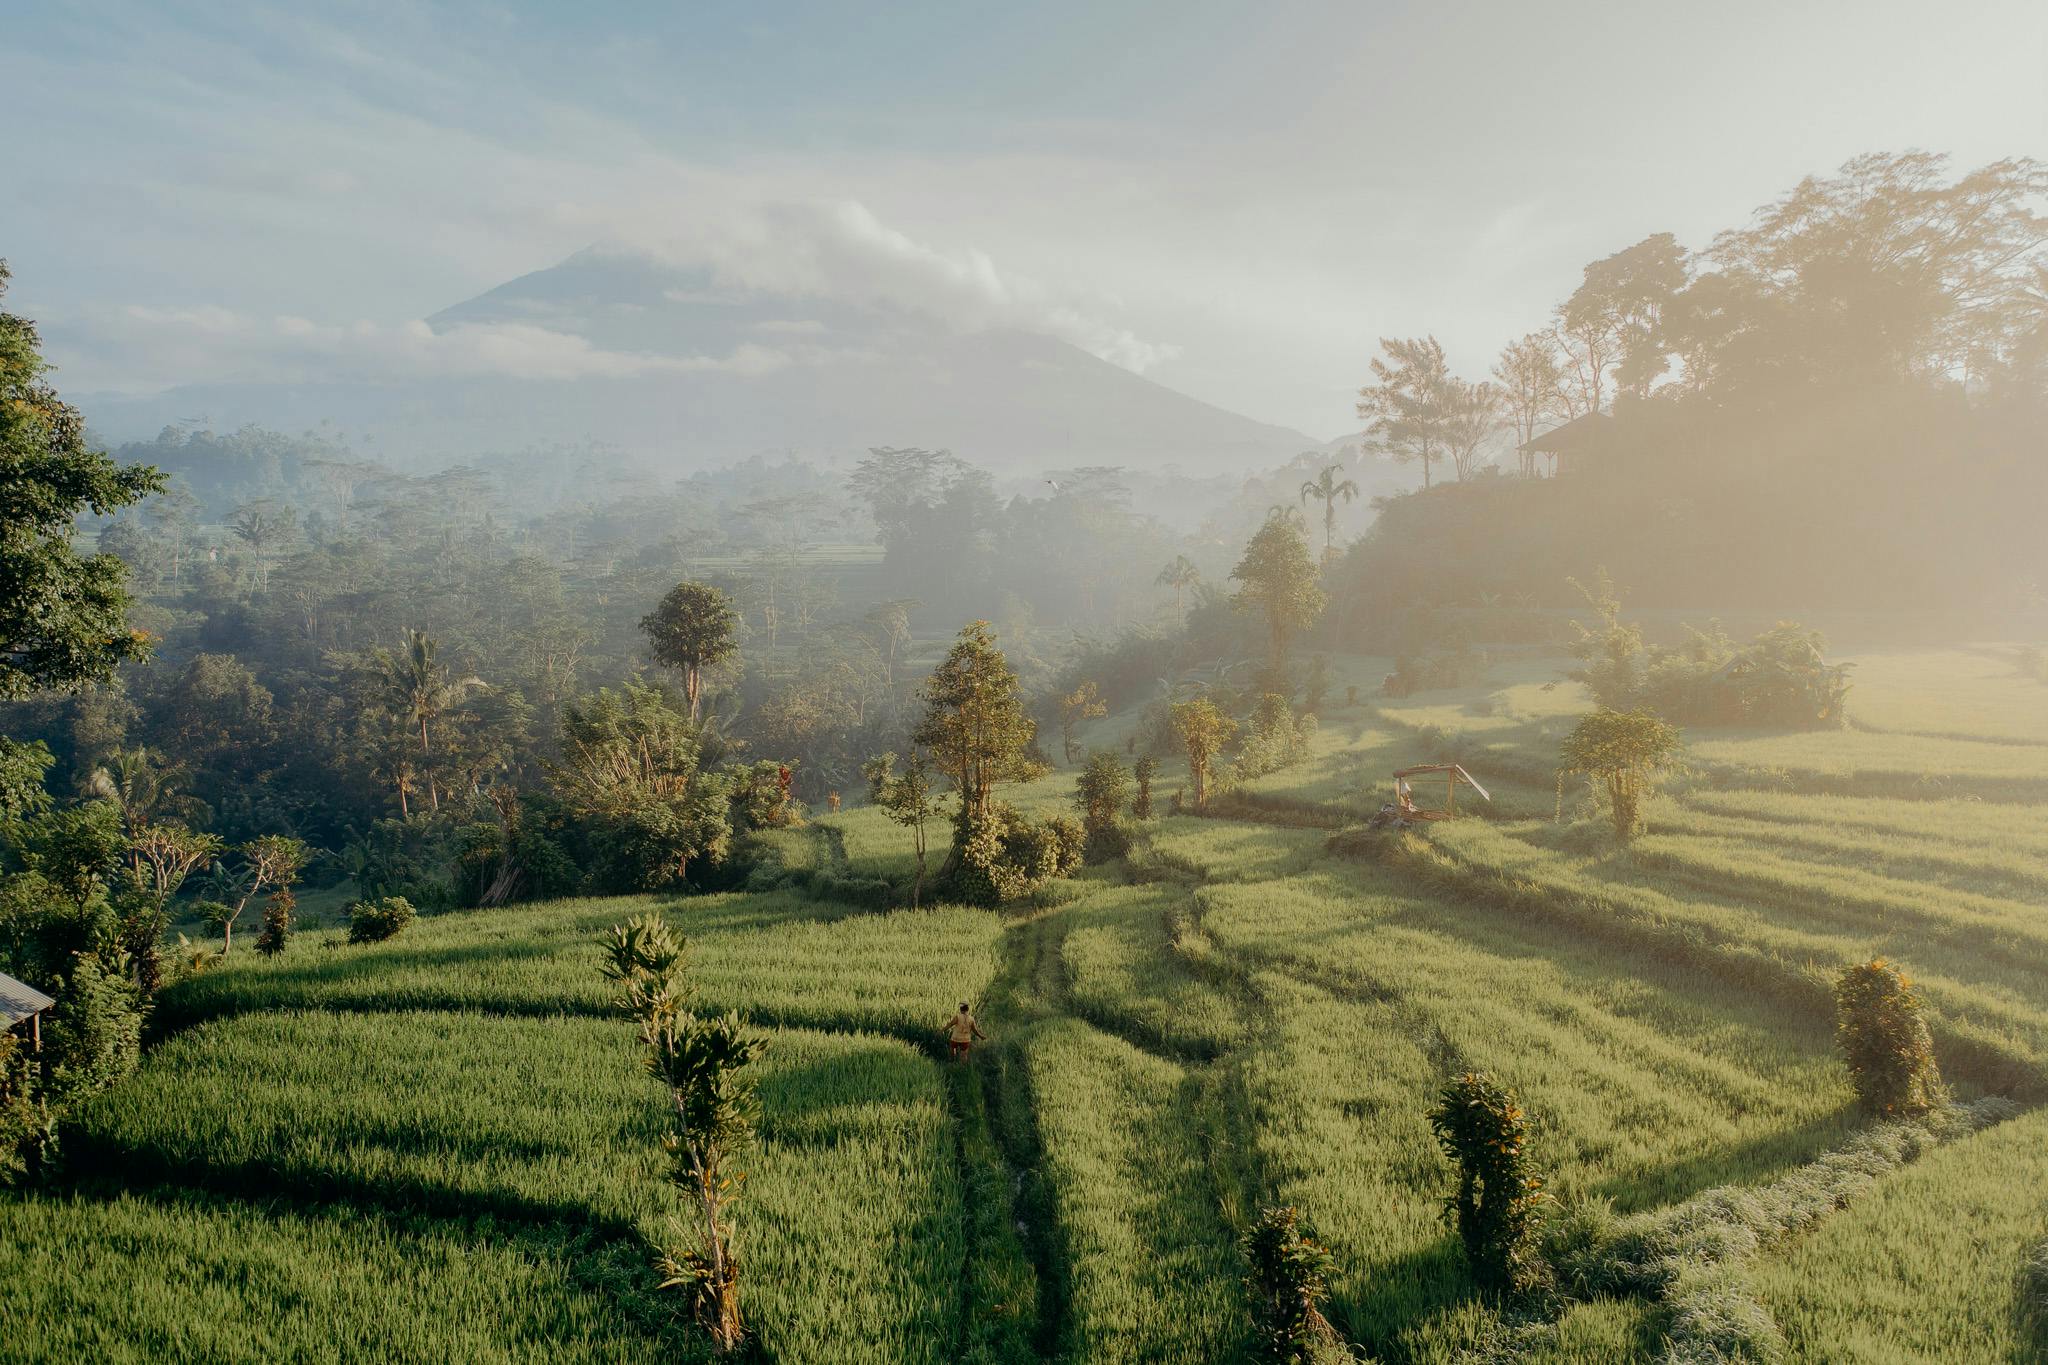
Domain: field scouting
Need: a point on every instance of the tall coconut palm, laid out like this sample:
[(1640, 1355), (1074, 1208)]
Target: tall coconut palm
[(1180, 575), (1326, 488), (417, 688), (133, 780)]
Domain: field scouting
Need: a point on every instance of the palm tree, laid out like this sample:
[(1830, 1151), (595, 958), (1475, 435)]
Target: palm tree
[(417, 688), (132, 780), (1180, 575), (1327, 488), (263, 527)]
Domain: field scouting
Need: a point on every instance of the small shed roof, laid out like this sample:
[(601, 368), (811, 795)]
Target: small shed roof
[(19, 1001), (1581, 433)]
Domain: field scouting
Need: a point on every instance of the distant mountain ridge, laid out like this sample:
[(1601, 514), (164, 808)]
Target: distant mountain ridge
[(707, 374)]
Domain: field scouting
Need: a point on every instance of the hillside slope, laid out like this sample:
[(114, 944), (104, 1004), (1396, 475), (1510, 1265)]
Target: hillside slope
[(687, 371)]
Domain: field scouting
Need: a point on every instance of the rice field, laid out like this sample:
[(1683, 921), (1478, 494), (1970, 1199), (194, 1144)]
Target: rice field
[(439, 1147)]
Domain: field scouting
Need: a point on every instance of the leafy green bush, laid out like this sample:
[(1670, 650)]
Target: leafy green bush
[(374, 921), (1274, 738), (1621, 752), (92, 1036), (1781, 678), (1460, 667), (277, 922), (513, 858), (1481, 1127), (1099, 795), (1885, 1041), (26, 1122), (1142, 772), (1003, 856), (1288, 1277)]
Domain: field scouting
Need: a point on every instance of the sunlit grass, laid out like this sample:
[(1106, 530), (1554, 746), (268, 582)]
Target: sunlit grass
[(777, 956), (1925, 1268)]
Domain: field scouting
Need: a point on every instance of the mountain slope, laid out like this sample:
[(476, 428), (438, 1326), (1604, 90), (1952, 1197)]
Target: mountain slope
[(680, 372)]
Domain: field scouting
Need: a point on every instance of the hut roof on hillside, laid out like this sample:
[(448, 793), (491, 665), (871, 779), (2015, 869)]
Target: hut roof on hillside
[(1581, 433), (19, 1001)]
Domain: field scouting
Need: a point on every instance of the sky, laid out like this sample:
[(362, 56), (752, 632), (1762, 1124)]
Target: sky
[(1236, 200)]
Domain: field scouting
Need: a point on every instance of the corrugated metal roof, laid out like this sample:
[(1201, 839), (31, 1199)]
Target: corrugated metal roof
[(18, 1000)]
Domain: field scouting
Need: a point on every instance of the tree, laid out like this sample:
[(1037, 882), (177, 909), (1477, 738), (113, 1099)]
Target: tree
[(1142, 772), (417, 689), (160, 857), (910, 800), (691, 630), (1885, 1041), (890, 623), (1083, 703), (1279, 579), (1481, 1127), (1614, 319), (1288, 1275), (1180, 575), (264, 527), (1527, 376), (974, 720), (133, 780), (1471, 415), (1099, 794), (1621, 751), (1326, 488), (278, 922), (1406, 406), (22, 767), (1203, 731), (704, 1064), (631, 771), (62, 615), (272, 862), (1887, 268)]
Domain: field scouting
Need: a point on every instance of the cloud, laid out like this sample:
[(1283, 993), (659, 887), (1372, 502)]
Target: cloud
[(840, 251), (212, 340)]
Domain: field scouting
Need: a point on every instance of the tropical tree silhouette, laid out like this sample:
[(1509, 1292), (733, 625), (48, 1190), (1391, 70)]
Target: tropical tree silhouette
[(1326, 488)]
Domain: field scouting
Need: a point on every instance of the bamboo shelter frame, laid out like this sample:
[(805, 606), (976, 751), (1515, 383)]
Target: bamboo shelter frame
[(1453, 774)]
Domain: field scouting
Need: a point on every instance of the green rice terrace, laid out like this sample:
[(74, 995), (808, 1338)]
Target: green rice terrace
[(440, 1146)]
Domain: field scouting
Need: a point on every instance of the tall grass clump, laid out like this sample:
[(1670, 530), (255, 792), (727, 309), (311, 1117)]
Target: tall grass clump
[(1480, 1126), (703, 1062), (1885, 1040)]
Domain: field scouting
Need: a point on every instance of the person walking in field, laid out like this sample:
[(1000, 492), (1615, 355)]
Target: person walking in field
[(961, 1032)]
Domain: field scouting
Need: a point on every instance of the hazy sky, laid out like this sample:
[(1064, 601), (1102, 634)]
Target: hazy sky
[(1236, 198)]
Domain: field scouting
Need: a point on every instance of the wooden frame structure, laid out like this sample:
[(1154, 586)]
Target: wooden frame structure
[(19, 1001), (1453, 774)]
